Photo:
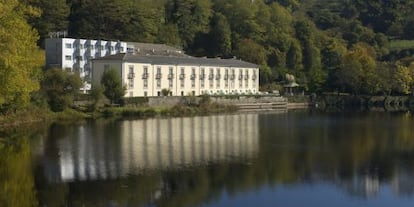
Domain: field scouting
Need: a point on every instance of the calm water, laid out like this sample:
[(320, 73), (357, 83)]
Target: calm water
[(279, 159)]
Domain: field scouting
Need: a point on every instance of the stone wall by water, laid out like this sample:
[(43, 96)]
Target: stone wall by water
[(171, 101)]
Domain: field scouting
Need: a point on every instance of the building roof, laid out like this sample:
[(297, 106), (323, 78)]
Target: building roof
[(174, 60), (155, 49)]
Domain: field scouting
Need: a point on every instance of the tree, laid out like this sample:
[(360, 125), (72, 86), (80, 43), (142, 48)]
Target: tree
[(191, 16), (251, 51), (54, 17), (112, 84), (358, 71), (220, 36), (20, 58), (60, 88), (401, 79)]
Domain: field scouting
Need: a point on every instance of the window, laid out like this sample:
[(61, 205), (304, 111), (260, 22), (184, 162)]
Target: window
[(68, 45), (131, 76), (101, 47), (241, 79), (68, 57), (182, 74), (158, 75), (158, 83), (80, 46), (145, 83), (170, 73), (145, 93), (170, 83), (145, 74)]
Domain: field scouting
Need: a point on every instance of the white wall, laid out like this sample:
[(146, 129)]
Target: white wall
[(76, 54), (133, 78)]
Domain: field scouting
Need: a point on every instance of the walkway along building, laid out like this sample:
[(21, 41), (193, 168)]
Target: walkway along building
[(149, 75)]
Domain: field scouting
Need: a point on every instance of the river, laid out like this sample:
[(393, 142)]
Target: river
[(253, 159)]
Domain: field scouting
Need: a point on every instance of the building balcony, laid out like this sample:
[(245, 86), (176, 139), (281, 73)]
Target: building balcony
[(131, 75)]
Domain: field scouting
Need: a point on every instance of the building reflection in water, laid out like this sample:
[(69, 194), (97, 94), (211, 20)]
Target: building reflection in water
[(138, 146)]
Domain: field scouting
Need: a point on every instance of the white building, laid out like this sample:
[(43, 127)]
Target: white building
[(149, 75), (75, 55)]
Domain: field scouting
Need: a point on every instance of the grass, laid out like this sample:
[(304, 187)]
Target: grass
[(401, 44), (34, 115)]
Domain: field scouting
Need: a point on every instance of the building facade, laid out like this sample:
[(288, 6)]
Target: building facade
[(75, 55), (181, 76)]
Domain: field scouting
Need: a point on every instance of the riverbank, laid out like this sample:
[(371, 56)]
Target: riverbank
[(31, 116), (154, 107), (363, 102)]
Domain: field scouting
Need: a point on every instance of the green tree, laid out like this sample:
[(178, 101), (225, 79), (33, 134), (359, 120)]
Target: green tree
[(358, 72), (54, 17), (100, 19), (251, 51), (220, 36), (168, 34), (60, 88), (112, 84), (20, 58), (401, 79), (191, 16)]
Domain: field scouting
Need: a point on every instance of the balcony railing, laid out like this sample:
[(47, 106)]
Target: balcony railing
[(145, 76), (131, 75), (182, 76), (240, 77), (218, 76), (232, 77), (158, 76), (226, 77), (193, 76), (202, 76), (170, 76)]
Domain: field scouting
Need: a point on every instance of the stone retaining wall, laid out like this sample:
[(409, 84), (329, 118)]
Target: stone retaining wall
[(234, 100)]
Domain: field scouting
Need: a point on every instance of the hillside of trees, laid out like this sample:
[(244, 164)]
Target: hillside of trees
[(349, 46)]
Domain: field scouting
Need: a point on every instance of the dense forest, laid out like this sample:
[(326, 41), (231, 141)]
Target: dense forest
[(347, 46)]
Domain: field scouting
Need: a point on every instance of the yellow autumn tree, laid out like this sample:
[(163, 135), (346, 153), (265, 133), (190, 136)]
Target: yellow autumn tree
[(20, 58)]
